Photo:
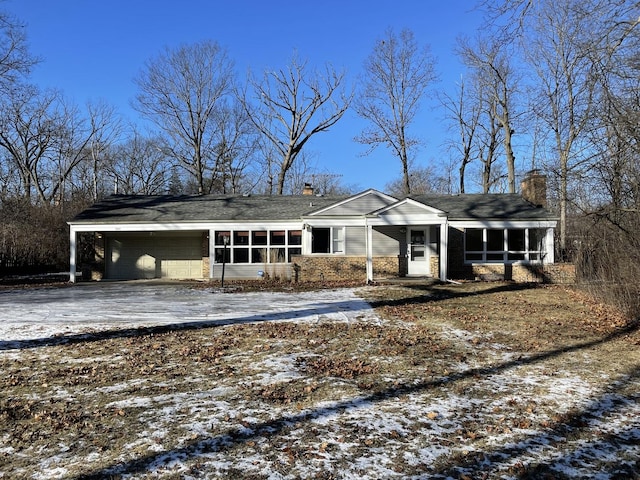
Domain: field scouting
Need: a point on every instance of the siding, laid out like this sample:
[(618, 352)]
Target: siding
[(360, 206), (388, 241), (407, 209), (355, 241), (250, 271)]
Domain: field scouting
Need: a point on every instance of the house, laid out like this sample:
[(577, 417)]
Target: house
[(365, 237)]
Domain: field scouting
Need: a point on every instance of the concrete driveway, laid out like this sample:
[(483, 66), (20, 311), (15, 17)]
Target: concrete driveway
[(40, 313)]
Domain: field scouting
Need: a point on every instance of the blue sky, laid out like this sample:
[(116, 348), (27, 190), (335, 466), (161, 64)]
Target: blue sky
[(92, 50)]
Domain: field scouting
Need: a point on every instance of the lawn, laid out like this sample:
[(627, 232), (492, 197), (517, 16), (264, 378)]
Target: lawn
[(469, 381)]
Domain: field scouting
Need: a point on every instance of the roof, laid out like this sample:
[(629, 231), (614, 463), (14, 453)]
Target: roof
[(499, 206), (201, 208), (246, 208)]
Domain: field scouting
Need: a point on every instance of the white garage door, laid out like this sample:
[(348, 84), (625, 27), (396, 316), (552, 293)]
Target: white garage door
[(154, 256)]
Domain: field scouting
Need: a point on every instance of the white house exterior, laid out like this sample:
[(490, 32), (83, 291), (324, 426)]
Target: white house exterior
[(365, 237)]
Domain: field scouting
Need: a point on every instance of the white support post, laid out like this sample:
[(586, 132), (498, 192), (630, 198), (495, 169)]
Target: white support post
[(369, 250), (549, 253), (211, 252), (444, 245), (72, 254)]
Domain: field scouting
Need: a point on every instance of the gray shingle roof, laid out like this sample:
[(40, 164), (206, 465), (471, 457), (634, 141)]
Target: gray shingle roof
[(201, 208), (499, 206), (207, 208)]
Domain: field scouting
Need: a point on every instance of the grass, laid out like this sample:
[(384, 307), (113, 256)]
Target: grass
[(480, 373)]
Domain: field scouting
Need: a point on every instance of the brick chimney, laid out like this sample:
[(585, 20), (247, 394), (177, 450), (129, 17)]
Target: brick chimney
[(534, 188), (308, 189)]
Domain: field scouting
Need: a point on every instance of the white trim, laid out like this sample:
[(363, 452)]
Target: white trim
[(502, 224), (400, 220), (369, 251)]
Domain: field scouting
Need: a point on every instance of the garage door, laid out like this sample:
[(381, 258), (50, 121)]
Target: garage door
[(154, 256)]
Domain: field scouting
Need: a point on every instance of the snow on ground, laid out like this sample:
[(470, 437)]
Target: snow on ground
[(411, 435), (47, 312)]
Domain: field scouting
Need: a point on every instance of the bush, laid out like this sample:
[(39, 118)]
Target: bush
[(608, 260)]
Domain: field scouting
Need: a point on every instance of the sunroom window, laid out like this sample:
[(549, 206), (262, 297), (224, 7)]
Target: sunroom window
[(256, 246), (508, 245)]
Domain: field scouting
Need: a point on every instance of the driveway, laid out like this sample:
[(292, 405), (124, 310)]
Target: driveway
[(38, 314)]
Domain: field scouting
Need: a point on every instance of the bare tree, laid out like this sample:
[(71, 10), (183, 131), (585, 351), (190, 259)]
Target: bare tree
[(396, 77), (15, 59), (29, 128), (180, 91), (45, 137), (237, 144), (292, 105), (464, 111), (489, 60), (424, 180), (140, 167), (108, 128)]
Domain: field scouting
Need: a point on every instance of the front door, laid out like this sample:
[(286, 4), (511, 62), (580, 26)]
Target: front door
[(417, 251)]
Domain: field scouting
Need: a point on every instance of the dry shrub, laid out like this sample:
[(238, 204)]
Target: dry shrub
[(608, 261)]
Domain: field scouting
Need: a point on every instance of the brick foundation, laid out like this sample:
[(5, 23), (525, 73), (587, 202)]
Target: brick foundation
[(562, 273), (314, 268)]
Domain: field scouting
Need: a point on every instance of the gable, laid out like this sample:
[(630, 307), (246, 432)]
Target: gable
[(407, 208), (360, 204)]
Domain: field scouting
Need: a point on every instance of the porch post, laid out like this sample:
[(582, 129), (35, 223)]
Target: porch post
[(549, 250), (72, 254), (211, 252), (444, 245), (369, 249)]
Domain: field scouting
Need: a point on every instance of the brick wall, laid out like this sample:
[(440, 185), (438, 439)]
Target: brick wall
[(555, 273), (331, 267)]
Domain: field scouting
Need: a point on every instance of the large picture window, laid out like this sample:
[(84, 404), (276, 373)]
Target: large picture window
[(504, 245), (256, 246)]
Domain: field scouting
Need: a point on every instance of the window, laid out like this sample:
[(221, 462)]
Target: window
[(241, 237), (327, 240), (258, 237), (490, 245), (256, 246), (295, 237), (278, 237)]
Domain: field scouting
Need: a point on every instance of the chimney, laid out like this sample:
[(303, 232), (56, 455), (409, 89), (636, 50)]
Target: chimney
[(308, 189), (534, 188)]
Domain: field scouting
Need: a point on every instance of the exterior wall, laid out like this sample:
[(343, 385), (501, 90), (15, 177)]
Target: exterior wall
[(359, 206), (205, 255), (98, 265), (254, 271), (389, 241), (355, 241), (313, 268), (563, 273), (434, 261)]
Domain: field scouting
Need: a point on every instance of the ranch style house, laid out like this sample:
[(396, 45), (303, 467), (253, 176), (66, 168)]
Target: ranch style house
[(367, 236)]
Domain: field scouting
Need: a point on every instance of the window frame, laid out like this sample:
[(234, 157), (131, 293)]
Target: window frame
[(506, 256), (256, 246), (336, 242)]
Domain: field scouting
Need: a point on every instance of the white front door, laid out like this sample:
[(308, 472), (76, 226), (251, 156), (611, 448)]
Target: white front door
[(418, 251)]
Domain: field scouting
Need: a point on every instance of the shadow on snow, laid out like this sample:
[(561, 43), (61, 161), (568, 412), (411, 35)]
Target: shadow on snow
[(566, 426)]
